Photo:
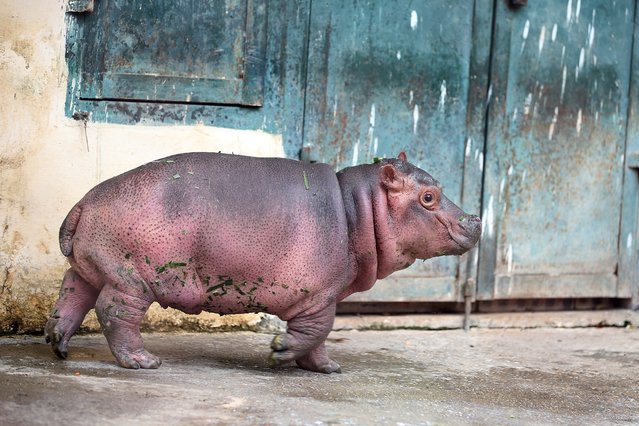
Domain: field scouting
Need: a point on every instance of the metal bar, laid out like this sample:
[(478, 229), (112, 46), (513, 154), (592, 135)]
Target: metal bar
[(469, 296)]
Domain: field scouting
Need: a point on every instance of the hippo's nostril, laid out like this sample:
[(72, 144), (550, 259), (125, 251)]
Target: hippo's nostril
[(472, 218)]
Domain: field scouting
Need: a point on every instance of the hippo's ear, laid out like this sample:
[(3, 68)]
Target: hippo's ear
[(402, 156), (391, 178)]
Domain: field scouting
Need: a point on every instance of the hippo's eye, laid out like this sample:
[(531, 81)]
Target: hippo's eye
[(428, 199)]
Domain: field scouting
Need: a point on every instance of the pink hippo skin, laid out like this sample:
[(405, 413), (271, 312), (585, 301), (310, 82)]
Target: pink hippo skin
[(234, 234)]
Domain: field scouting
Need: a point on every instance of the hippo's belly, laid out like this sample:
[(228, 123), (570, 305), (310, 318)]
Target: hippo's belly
[(270, 264)]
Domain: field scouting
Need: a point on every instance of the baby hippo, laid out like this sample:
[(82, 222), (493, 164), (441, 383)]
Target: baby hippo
[(233, 234)]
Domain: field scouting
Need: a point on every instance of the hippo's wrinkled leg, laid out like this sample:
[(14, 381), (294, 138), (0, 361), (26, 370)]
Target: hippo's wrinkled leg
[(77, 297), (120, 315), (304, 342)]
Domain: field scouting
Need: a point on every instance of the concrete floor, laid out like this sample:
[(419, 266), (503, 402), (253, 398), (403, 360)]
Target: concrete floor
[(496, 377)]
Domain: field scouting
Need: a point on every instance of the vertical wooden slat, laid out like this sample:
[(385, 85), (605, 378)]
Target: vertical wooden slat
[(629, 236)]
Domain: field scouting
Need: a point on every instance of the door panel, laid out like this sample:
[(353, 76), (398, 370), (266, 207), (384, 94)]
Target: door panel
[(175, 51), (555, 149), (386, 76)]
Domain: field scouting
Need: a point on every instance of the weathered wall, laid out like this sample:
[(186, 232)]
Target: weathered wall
[(48, 161)]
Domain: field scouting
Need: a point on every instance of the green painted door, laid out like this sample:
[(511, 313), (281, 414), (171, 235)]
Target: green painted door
[(389, 76), (555, 150)]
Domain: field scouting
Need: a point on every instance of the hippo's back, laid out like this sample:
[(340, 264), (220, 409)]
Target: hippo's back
[(230, 184)]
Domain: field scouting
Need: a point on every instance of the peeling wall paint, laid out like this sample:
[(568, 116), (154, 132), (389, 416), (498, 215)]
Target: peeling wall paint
[(48, 161)]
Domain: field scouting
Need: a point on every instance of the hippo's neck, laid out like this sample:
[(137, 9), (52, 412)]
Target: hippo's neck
[(372, 242)]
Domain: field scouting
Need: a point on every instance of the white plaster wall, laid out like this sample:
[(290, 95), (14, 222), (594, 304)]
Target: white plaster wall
[(47, 162)]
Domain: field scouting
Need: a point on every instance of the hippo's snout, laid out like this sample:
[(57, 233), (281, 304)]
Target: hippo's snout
[(467, 230), (470, 220)]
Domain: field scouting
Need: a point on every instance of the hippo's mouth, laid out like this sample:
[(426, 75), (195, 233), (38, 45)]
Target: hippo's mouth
[(464, 236)]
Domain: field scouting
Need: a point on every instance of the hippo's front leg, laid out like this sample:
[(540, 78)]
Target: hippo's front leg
[(304, 342)]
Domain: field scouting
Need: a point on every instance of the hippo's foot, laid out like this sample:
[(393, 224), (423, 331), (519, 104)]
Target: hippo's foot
[(77, 297), (318, 360), (137, 359), (53, 335), (304, 342), (281, 353)]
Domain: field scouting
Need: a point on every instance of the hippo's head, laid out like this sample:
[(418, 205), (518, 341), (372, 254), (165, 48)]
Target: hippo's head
[(424, 222)]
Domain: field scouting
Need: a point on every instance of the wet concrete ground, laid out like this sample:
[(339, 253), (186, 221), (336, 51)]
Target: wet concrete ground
[(401, 377)]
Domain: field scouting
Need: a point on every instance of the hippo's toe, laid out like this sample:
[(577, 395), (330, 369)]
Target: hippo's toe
[(138, 359), (280, 343), (276, 359), (55, 336), (319, 361)]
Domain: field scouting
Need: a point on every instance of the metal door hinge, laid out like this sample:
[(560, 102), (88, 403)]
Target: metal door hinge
[(80, 6)]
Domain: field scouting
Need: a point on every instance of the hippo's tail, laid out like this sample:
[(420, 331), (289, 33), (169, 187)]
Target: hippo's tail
[(67, 230)]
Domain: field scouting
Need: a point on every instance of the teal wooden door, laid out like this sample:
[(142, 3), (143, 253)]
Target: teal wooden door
[(521, 113), (389, 76), (555, 150)]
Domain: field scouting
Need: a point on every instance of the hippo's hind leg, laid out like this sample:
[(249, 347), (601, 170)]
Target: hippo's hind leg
[(304, 342), (120, 315), (77, 297)]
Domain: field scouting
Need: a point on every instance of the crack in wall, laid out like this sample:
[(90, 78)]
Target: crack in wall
[(5, 281)]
